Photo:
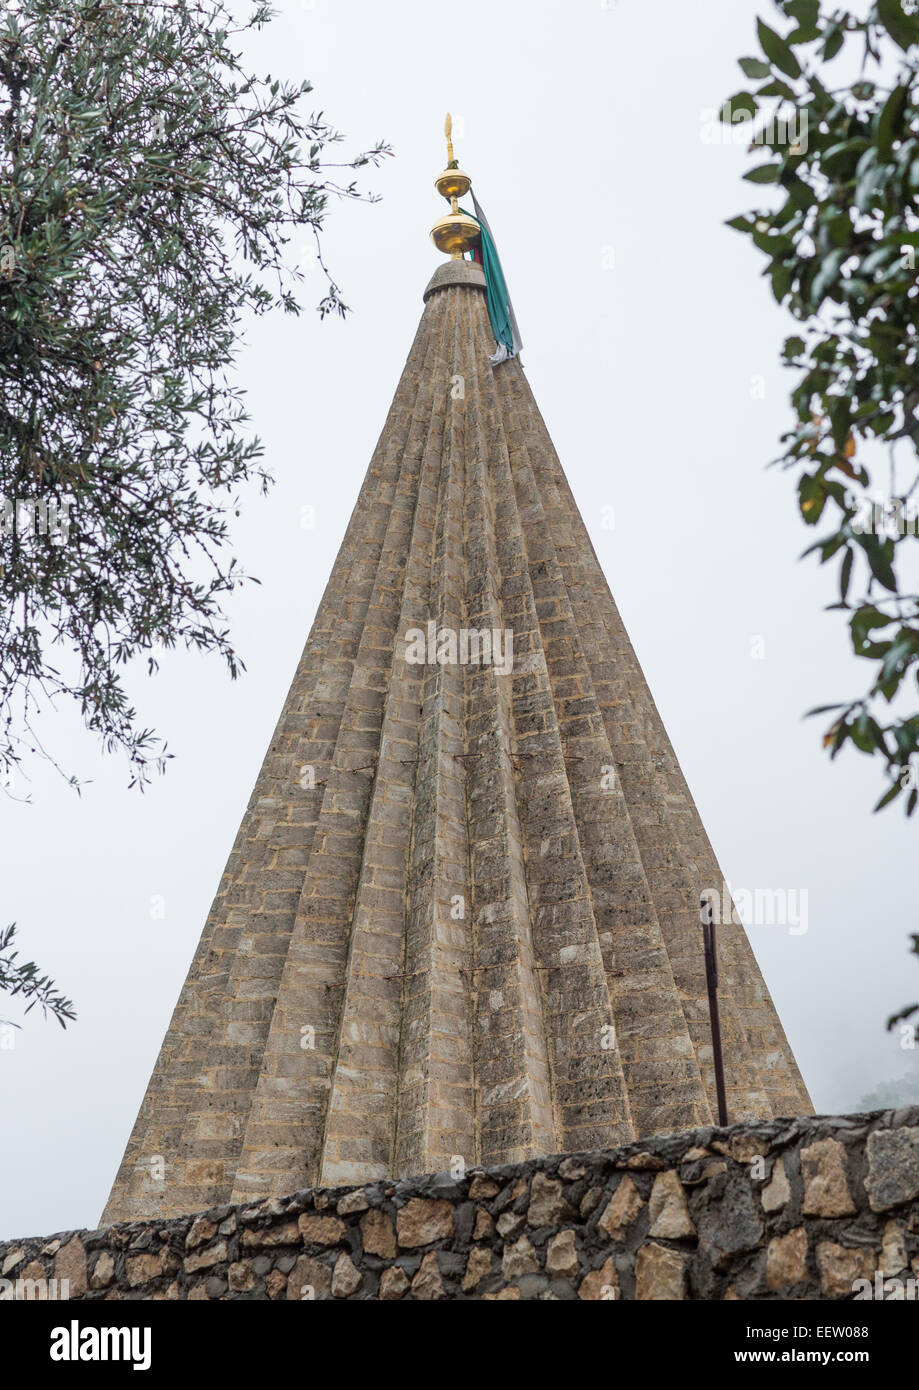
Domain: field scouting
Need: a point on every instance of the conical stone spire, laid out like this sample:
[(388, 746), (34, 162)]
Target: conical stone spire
[(461, 916)]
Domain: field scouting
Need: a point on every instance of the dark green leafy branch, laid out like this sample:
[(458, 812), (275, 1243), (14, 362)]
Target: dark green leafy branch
[(841, 245), (149, 187), (24, 979)]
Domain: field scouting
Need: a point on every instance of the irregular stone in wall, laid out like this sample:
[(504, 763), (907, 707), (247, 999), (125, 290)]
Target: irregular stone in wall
[(103, 1271), (562, 1254), (421, 1222), (600, 1285), (427, 1283), (548, 1206), (478, 1266), (316, 1229), (202, 1230), (660, 1273), (393, 1284), (346, 1277), (70, 1265), (519, 1258), (786, 1260), (140, 1269), (777, 1190), (309, 1279), (729, 1224), (893, 1167), (206, 1259), (826, 1189), (378, 1234), (621, 1210), (893, 1250), (669, 1210), (840, 1267)]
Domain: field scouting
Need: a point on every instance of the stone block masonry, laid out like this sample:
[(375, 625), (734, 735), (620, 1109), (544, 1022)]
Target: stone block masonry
[(461, 918), (811, 1208)]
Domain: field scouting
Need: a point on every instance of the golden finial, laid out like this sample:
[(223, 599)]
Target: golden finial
[(457, 232)]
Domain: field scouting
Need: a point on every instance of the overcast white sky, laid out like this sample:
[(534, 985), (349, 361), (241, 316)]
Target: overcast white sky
[(582, 124)]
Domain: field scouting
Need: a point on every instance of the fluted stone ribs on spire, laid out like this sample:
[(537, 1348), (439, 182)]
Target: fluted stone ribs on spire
[(460, 919)]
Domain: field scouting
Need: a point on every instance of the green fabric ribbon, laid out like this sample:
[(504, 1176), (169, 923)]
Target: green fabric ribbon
[(499, 304)]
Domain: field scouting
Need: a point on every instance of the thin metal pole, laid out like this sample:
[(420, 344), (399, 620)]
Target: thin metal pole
[(711, 975)]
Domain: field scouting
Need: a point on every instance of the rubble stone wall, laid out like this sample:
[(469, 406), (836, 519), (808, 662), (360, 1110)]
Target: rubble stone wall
[(814, 1208)]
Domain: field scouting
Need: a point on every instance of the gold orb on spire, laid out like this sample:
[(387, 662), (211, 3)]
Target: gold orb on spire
[(457, 232)]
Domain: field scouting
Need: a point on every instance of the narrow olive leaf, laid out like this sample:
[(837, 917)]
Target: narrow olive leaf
[(845, 574), (777, 50), (886, 799), (741, 106), (763, 173), (898, 1018), (902, 28), (755, 68), (806, 12), (889, 120)]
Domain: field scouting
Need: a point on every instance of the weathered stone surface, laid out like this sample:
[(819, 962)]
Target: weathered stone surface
[(70, 1265), (645, 1163), (352, 1202), (562, 1254), (421, 1222), (840, 1267), (378, 1234), (786, 1259), (826, 1188), (548, 1207), (202, 1230), (103, 1271), (777, 1191), (141, 1269), (632, 1250), (346, 1277), (308, 1280), (660, 1273), (510, 1224), (394, 787), (240, 1277), (893, 1167), (590, 1201), (730, 1226), (519, 1258), (393, 1284), (316, 1229), (893, 1250), (207, 1258), (484, 1225), (477, 1266), (285, 1233), (621, 1210), (747, 1147), (427, 1283), (669, 1210), (600, 1285)]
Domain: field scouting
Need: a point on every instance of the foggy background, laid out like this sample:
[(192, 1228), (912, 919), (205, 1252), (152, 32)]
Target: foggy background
[(652, 347)]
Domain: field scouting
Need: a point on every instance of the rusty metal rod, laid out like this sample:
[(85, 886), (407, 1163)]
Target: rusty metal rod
[(711, 976)]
